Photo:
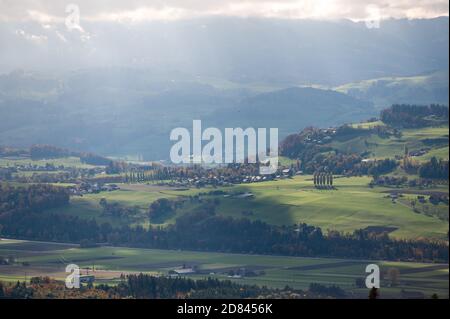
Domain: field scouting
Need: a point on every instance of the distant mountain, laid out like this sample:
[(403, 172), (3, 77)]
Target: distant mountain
[(273, 52), (422, 89), (101, 111), (119, 90)]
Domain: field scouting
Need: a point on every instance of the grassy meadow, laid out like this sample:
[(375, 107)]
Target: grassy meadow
[(352, 205), (66, 162), (414, 139), (108, 263)]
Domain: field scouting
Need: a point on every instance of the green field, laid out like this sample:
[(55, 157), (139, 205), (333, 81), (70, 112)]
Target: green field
[(352, 205), (50, 259), (440, 153), (395, 90), (66, 162), (368, 125), (139, 195), (414, 139)]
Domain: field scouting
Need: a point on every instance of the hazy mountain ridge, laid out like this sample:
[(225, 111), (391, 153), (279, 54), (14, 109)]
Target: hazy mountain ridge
[(421, 89), (131, 112), (114, 118), (231, 73), (283, 52), (294, 108)]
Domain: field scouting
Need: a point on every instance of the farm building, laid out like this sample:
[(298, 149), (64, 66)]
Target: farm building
[(183, 271)]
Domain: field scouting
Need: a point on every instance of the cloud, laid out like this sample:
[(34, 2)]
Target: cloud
[(48, 11)]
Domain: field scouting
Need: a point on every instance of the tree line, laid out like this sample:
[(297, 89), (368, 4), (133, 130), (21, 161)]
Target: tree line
[(143, 286), (43, 151), (437, 169), (21, 216), (414, 116)]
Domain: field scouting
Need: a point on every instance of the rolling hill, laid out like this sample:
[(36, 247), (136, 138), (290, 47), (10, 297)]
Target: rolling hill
[(293, 108), (424, 89), (95, 111)]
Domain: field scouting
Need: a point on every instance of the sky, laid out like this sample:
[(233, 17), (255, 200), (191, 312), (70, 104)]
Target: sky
[(134, 11)]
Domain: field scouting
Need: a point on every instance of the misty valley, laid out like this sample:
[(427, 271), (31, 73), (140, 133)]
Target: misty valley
[(253, 153)]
